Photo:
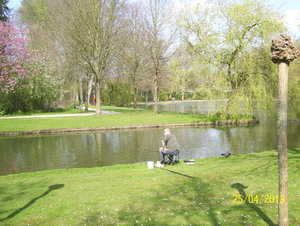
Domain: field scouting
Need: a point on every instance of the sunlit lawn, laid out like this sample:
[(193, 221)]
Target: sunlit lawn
[(135, 195), (126, 116)]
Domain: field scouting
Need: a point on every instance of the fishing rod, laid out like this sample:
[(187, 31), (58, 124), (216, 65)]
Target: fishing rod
[(178, 173)]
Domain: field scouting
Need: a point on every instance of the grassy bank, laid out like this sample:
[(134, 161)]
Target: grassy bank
[(135, 195), (127, 117)]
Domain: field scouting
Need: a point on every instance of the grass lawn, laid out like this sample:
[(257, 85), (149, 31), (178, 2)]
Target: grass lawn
[(134, 195), (126, 117)]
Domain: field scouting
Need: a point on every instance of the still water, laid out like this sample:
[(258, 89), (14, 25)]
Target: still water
[(192, 107), (84, 150)]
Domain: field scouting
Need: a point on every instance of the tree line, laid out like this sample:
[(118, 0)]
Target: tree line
[(118, 49)]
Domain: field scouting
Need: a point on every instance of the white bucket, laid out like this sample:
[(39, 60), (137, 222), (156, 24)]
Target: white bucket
[(150, 164)]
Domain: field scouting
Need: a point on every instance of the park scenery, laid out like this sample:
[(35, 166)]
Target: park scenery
[(88, 87)]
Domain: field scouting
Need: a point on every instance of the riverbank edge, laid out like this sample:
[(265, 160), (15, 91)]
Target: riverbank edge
[(237, 122)]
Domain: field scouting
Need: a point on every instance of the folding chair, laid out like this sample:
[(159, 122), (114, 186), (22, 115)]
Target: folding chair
[(172, 159)]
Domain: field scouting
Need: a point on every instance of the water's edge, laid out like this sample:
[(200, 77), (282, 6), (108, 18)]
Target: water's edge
[(242, 122)]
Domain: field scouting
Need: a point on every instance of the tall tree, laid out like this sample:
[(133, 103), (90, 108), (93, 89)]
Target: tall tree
[(34, 12), (4, 10), (186, 72), (25, 81), (15, 57), (160, 36), (230, 37), (133, 55), (95, 27), (44, 36)]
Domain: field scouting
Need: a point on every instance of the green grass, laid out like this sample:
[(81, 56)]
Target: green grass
[(71, 111), (135, 195), (51, 111), (126, 117)]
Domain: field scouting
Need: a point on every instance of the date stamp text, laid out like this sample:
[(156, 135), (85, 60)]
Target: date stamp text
[(258, 199)]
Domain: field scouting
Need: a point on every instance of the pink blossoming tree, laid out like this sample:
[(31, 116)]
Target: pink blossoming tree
[(15, 60)]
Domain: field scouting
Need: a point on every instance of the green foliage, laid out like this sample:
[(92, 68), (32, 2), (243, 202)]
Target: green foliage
[(4, 10), (176, 95), (294, 99), (117, 93), (45, 90), (164, 96), (232, 39), (200, 95), (70, 107), (294, 87), (3, 109), (19, 100), (34, 12), (51, 109), (150, 96), (34, 94)]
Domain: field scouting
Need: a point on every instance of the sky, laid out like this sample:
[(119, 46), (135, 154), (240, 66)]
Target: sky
[(290, 8)]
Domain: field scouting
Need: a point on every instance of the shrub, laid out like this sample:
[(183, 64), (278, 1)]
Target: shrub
[(117, 93)]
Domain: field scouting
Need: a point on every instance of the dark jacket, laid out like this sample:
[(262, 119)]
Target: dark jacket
[(171, 143)]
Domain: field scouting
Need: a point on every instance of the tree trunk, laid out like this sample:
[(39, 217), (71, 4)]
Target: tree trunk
[(75, 93), (98, 97), (80, 90), (194, 91), (90, 86), (87, 93), (282, 143), (155, 94), (135, 96), (171, 93)]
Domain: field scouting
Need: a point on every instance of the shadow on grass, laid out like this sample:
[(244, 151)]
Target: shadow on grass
[(51, 188), (295, 151), (240, 187), (175, 202), (178, 203)]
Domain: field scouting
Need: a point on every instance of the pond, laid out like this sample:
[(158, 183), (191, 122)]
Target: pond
[(85, 150)]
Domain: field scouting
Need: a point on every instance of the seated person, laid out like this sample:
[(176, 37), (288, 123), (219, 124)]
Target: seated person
[(169, 145)]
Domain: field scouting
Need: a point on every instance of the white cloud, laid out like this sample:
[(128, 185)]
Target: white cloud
[(292, 18)]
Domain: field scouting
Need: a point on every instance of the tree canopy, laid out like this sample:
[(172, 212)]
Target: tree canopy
[(233, 38), (221, 51), (28, 76), (15, 58), (4, 10)]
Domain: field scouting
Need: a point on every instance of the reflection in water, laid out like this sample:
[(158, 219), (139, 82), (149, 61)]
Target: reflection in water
[(193, 107), (27, 154), (84, 150)]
